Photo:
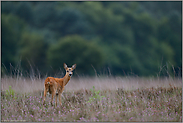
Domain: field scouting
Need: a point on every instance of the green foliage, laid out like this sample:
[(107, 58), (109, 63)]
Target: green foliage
[(10, 93), (66, 25), (12, 27), (132, 37), (95, 95), (24, 11), (44, 14), (75, 49), (32, 51), (170, 43)]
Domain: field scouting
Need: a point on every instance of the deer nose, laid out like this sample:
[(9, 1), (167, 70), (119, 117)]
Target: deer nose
[(70, 74)]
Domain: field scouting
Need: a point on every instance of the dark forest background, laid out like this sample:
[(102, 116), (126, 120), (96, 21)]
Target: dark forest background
[(117, 38)]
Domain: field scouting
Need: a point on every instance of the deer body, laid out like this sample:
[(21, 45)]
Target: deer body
[(55, 86)]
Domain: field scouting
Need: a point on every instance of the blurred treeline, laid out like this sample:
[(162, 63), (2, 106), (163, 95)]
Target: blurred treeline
[(118, 38)]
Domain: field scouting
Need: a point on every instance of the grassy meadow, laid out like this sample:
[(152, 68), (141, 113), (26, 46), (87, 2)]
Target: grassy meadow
[(113, 99)]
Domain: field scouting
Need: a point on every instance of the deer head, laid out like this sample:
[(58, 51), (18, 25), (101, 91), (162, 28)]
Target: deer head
[(69, 70)]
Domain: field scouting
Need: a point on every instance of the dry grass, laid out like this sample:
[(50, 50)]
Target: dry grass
[(26, 85), (113, 99)]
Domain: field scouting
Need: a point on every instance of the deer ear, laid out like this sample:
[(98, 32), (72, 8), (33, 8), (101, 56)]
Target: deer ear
[(73, 66), (65, 66)]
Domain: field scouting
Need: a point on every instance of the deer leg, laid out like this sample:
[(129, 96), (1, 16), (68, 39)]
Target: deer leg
[(62, 90), (59, 97), (53, 94), (60, 94), (44, 95), (56, 100)]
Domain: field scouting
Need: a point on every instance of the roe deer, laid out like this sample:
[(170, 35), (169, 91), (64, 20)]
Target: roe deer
[(55, 86)]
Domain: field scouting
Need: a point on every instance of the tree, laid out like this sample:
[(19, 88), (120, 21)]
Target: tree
[(74, 49), (32, 52), (24, 11), (128, 63), (11, 30), (44, 13), (68, 21), (169, 33), (137, 37), (8, 7)]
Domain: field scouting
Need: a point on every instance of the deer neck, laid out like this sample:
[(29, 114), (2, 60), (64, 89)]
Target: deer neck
[(66, 79)]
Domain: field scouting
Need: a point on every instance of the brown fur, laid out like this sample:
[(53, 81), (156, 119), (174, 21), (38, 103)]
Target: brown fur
[(55, 86)]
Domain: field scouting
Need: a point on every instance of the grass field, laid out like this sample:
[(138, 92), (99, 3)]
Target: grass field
[(114, 99)]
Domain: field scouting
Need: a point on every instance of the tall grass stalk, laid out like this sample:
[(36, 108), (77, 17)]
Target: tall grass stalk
[(99, 98)]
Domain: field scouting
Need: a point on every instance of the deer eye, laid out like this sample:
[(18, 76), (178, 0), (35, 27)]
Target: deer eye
[(67, 71)]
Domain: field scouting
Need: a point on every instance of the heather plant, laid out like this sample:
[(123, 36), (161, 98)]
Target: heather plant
[(144, 104), (10, 93), (95, 95)]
